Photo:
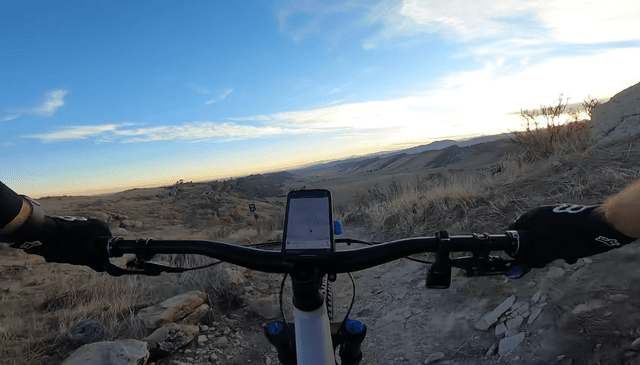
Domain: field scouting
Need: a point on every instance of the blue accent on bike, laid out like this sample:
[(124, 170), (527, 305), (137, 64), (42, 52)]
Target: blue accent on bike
[(354, 326), (518, 271), (276, 328), (337, 227)]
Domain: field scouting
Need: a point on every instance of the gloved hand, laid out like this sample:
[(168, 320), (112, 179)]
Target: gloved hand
[(566, 232), (70, 240)]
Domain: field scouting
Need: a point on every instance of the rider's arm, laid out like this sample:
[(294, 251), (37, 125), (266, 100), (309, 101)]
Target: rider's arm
[(622, 210), (16, 210), (58, 239)]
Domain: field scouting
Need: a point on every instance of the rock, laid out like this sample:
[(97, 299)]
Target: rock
[(508, 344), (197, 315), (169, 338), (618, 298), (618, 118), (204, 327), (222, 341), (589, 306), (118, 231), (120, 352), (202, 339), (536, 296), (100, 215), (523, 309), (587, 260), (500, 330), (434, 357), (267, 308), (636, 343), (131, 225), (242, 235), (511, 332), (172, 309), (275, 236), (213, 357), (87, 331), (555, 273), (492, 317), (237, 275), (535, 312), (491, 350), (514, 323)]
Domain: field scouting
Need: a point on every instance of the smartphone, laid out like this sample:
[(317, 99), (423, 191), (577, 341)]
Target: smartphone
[(308, 228)]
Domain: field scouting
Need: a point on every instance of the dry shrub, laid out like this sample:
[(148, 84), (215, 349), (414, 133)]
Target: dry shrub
[(430, 203), (538, 142)]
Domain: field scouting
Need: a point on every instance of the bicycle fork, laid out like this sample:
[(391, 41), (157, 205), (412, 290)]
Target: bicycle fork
[(313, 339)]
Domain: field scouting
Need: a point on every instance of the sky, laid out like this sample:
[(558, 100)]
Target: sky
[(102, 96)]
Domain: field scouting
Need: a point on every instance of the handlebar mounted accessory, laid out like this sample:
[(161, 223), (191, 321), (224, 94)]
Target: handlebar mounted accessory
[(480, 263)]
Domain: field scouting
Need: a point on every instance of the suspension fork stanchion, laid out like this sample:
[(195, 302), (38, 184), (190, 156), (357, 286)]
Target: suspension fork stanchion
[(352, 336), (282, 340)]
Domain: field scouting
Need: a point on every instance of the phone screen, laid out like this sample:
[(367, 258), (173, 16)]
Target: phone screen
[(308, 224)]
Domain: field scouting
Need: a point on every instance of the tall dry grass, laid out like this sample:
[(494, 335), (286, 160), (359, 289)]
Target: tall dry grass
[(546, 135), (464, 201), (30, 332)]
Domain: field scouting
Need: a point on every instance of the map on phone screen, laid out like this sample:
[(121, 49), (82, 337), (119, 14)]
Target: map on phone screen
[(308, 224)]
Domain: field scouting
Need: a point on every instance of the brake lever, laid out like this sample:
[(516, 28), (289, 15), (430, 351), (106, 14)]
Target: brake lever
[(490, 265)]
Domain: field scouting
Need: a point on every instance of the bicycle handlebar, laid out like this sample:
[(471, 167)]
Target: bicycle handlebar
[(351, 260)]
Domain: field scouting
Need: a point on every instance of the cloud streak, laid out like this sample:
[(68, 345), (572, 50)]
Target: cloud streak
[(464, 103), (586, 22), (194, 131), (52, 102), (221, 96)]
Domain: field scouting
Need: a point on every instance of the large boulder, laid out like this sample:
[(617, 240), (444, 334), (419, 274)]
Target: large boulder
[(120, 352), (619, 118)]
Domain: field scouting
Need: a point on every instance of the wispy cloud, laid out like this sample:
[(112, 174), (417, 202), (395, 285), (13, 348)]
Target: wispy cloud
[(199, 89), (194, 131), (53, 101), (223, 94), (76, 132), (584, 22), (7, 118), (463, 103), (318, 18), (7, 144)]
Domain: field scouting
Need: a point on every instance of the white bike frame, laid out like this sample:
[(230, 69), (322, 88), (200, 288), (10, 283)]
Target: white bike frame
[(313, 337)]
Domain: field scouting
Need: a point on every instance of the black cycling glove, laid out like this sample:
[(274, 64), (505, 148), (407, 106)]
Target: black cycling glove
[(70, 240), (566, 232)]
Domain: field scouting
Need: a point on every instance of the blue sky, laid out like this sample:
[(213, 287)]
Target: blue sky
[(100, 96)]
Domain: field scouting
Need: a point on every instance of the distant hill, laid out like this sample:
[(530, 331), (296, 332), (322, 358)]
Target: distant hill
[(400, 159)]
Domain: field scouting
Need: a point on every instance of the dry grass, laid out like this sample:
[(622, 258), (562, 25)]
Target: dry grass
[(27, 333), (555, 137), (429, 203), (553, 164)]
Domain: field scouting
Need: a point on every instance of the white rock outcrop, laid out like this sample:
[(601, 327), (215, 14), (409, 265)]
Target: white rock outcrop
[(619, 118)]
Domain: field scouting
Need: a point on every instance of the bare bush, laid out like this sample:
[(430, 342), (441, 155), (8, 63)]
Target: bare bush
[(555, 138)]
